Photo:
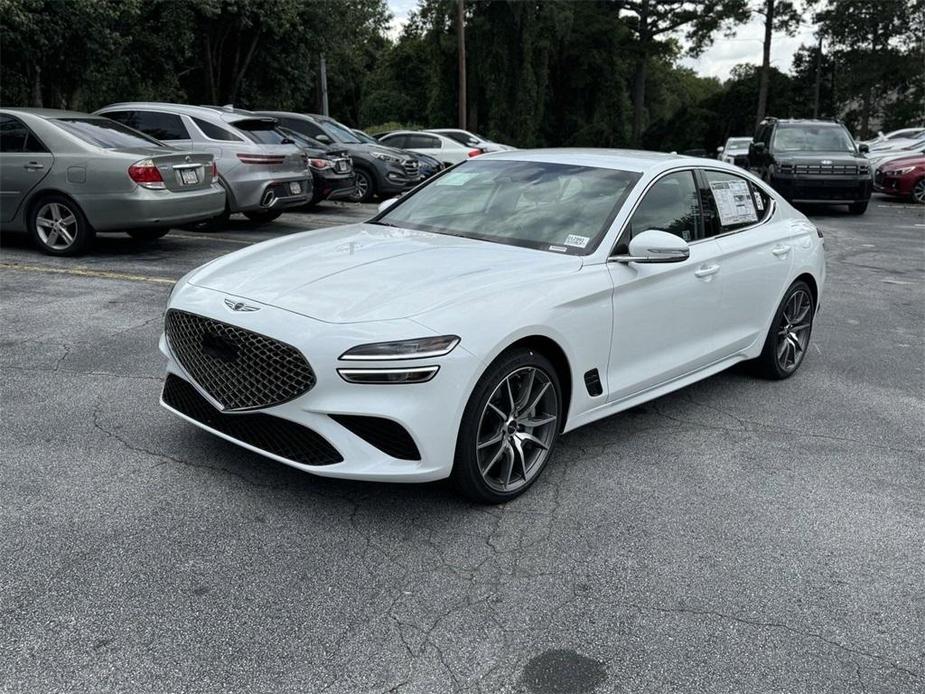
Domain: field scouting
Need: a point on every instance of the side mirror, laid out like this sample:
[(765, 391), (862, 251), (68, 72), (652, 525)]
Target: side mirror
[(386, 204), (863, 148), (719, 149), (655, 246), (323, 138), (757, 147)]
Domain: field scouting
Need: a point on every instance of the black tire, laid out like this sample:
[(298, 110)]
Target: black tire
[(366, 186), (467, 473), (858, 207), (147, 234), (262, 216), (217, 223), (773, 364), (71, 224)]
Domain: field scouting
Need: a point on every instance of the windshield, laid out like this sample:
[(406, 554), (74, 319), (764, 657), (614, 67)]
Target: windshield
[(738, 142), (812, 138), (340, 133), (106, 133), (562, 208), (262, 132), (363, 137)]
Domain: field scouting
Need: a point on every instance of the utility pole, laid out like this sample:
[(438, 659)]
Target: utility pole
[(818, 85), (461, 38), (324, 86)]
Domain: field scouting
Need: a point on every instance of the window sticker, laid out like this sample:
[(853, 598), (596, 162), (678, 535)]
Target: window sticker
[(759, 201), (576, 240), (733, 202), (558, 249), (457, 178)]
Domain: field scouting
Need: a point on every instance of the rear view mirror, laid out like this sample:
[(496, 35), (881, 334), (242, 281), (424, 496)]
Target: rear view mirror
[(655, 246)]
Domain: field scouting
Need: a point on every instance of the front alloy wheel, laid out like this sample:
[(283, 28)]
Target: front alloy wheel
[(58, 226), (918, 191), (509, 428), (365, 188), (788, 339)]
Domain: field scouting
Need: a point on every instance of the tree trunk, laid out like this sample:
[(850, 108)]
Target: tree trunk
[(209, 70), (640, 76), (239, 74), (865, 113), (817, 88), (765, 63), (461, 50), (37, 87)]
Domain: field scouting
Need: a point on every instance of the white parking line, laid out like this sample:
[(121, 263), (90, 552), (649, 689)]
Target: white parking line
[(87, 272)]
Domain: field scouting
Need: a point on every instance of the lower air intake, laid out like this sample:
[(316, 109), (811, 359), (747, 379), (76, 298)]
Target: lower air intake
[(268, 433), (388, 436)]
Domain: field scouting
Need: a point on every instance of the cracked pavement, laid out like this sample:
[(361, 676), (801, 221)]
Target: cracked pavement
[(735, 536)]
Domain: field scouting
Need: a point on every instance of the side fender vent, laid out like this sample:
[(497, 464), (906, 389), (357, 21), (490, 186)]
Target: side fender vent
[(593, 383)]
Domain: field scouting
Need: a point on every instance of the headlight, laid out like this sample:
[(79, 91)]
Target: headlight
[(899, 172), (419, 348), (386, 157)]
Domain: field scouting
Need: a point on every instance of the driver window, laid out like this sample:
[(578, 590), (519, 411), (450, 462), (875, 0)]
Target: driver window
[(671, 205)]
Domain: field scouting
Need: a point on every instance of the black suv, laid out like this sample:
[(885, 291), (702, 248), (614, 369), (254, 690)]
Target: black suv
[(380, 170), (812, 161)]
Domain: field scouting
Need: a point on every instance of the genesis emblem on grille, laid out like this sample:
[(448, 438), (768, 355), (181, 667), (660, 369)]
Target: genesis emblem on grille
[(240, 306), (238, 368)]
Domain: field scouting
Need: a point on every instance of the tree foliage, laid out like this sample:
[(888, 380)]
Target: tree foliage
[(540, 72)]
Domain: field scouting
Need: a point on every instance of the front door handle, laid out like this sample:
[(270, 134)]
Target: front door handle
[(780, 251), (706, 270), (33, 166)]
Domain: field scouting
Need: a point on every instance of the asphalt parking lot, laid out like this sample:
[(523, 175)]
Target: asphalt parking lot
[(737, 536)]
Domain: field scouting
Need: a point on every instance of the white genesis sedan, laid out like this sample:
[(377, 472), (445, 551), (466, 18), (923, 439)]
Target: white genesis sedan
[(507, 300)]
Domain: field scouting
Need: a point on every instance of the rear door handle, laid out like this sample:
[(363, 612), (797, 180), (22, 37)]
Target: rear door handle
[(780, 251), (706, 270), (33, 166)]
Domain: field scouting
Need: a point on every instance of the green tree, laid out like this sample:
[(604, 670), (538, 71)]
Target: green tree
[(777, 15)]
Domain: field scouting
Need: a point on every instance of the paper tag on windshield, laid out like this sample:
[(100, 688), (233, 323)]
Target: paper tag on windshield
[(557, 249), (733, 202), (457, 178), (577, 241), (759, 201)]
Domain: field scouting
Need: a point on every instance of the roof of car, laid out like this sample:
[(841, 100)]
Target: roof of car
[(623, 159), (47, 112)]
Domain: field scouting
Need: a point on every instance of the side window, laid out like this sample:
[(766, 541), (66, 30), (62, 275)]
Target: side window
[(422, 142), (397, 141), (671, 205), (214, 132), (16, 137), (124, 117), (161, 126), (733, 202)]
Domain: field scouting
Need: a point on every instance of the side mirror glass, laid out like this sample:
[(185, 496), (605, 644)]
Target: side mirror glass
[(386, 204), (655, 246), (863, 148), (323, 138)]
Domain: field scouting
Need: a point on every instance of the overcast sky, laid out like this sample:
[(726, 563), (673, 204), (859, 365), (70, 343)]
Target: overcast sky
[(725, 54)]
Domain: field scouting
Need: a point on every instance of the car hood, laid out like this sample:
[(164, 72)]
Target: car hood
[(367, 148), (899, 162), (368, 272)]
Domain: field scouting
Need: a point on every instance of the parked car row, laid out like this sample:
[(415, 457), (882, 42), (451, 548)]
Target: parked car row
[(818, 161), (144, 167)]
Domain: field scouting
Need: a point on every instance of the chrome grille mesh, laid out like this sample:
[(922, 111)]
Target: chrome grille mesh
[(240, 369)]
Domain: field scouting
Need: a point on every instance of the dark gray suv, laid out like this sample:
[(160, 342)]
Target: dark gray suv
[(380, 170)]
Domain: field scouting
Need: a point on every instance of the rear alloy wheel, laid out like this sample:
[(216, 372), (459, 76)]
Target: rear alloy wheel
[(58, 226), (147, 234), (788, 339), (509, 428), (858, 207), (262, 216), (918, 191), (366, 187)]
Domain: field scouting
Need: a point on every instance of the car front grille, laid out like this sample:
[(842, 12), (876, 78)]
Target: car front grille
[(263, 431), (240, 369), (824, 169), (410, 166)]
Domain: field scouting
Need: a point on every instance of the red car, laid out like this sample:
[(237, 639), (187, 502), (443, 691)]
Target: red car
[(902, 177)]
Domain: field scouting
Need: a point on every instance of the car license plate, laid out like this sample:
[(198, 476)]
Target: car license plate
[(188, 177), (295, 187), (340, 167)]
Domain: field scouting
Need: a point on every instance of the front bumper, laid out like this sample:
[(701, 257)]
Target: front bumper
[(429, 412), (145, 208), (892, 185), (394, 179), (823, 189)]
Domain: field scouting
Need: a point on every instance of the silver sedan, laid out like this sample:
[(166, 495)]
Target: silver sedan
[(65, 176)]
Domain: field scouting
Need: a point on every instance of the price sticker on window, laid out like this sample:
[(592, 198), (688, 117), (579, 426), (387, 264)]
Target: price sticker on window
[(733, 202)]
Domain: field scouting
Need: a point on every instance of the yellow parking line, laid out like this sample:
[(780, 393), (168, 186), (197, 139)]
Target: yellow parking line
[(87, 272)]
